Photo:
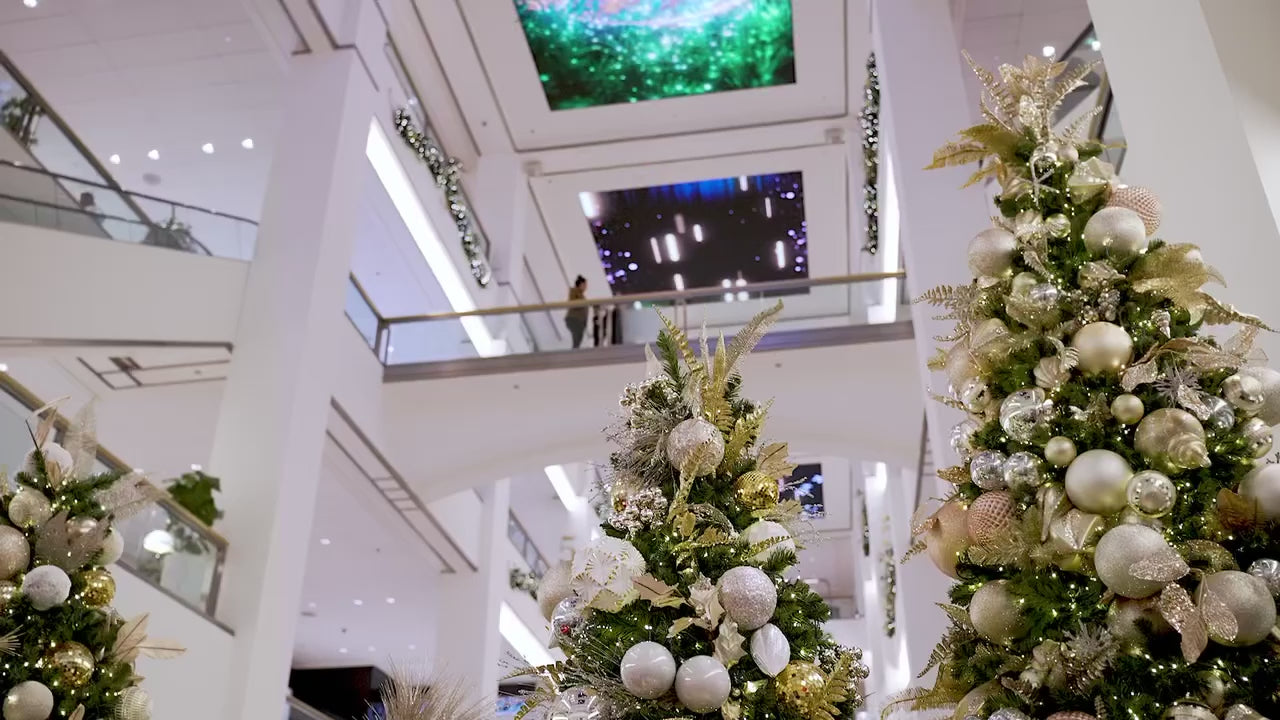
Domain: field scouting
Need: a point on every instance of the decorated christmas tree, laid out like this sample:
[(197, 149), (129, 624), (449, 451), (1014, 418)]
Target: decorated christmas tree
[(681, 608), (64, 653), (1113, 526)]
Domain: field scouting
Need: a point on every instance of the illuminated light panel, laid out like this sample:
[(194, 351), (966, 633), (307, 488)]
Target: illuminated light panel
[(607, 52), (520, 637), (564, 489), (678, 279), (727, 232)]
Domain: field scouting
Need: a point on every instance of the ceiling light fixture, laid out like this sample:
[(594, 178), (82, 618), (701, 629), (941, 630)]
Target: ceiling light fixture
[(114, 159), (4, 367), (159, 542), (196, 467), (768, 208), (1095, 44), (413, 647), (391, 601), (311, 605), (728, 297), (673, 249), (357, 602), (657, 251), (153, 154), (373, 649), (342, 650), (207, 148), (742, 183), (31, 3), (678, 279), (564, 489), (1048, 50), (590, 205), (697, 232), (325, 541), (780, 252), (247, 143), (680, 223)]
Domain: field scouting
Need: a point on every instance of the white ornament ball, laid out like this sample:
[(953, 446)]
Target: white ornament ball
[(1270, 381), (748, 596), (1119, 549), (648, 670), (1060, 451), (1104, 348), (996, 614), (1097, 480), (28, 700), (134, 704), (552, 588), (54, 454), (991, 253), (695, 446), (1127, 408), (1248, 600), (1140, 200), (29, 508), (46, 587), (770, 649), (1262, 485), (1245, 393), (762, 530), (15, 552), (1115, 232), (113, 548), (702, 684)]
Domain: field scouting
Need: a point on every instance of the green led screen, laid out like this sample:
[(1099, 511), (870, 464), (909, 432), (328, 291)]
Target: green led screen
[(605, 52)]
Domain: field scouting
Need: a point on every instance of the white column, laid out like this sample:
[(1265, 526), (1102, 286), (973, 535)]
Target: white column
[(1197, 97), (500, 194), (923, 104), (468, 638), (271, 430)]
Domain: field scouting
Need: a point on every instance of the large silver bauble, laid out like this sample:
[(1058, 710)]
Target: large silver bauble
[(1248, 600), (975, 395), (577, 703), (1097, 480), (1023, 470), (30, 700), (567, 617), (1262, 485), (695, 446), (991, 253), (1240, 711), (1134, 622), (1188, 711), (762, 530), (1127, 408), (1115, 232), (1119, 549), (1103, 347), (1244, 392), (29, 508), (1270, 381), (1258, 434), (987, 469), (948, 537), (996, 613), (1221, 415), (15, 552), (1152, 493), (962, 437), (1008, 714), (1268, 571), (46, 587), (748, 596), (648, 670), (1060, 451), (1025, 411), (1171, 440), (770, 649), (702, 683), (554, 587)]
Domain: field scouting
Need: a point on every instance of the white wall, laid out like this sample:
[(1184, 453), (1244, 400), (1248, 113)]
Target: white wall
[(179, 688)]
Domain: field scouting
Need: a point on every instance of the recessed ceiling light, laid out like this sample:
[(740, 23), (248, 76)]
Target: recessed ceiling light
[(196, 467), (31, 3), (1048, 50), (311, 605), (207, 148), (357, 602), (114, 159), (391, 601), (140, 471), (1095, 44), (342, 650), (325, 541), (373, 649), (247, 143), (413, 647), (4, 367), (153, 154)]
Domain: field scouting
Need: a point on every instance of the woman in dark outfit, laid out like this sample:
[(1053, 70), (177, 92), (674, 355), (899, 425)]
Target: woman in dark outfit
[(576, 318)]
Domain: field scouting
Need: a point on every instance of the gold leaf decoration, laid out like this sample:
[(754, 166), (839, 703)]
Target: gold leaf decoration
[(9, 643), (656, 592), (1237, 512), (773, 461), (728, 644), (834, 691), (82, 442), (129, 639), (68, 546)]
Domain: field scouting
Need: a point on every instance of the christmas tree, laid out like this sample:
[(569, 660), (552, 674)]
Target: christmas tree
[(1113, 527), (63, 650), (681, 607)]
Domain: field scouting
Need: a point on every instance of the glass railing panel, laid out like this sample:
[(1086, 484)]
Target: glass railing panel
[(191, 229), (361, 313), (171, 552)]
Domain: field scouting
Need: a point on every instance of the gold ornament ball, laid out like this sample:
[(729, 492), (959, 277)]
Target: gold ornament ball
[(991, 516), (798, 684), (1127, 408), (1140, 200), (1096, 481), (99, 587), (972, 702), (1171, 440), (948, 537), (1060, 451), (756, 490), (991, 253), (15, 552), (72, 662), (1115, 232), (1104, 348), (29, 508), (1247, 599), (996, 613), (1258, 434)]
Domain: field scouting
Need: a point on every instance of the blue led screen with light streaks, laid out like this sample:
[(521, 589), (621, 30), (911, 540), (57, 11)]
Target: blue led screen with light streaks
[(725, 232), (804, 485)]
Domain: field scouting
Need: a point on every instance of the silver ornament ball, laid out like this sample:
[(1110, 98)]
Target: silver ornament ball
[(1127, 408), (1262, 486), (695, 446), (1023, 469), (1134, 622), (1115, 232), (1119, 549), (1188, 711), (568, 616), (1097, 481), (1060, 451), (1249, 602), (30, 700), (1270, 387), (577, 703), (748, 596), (975, 395), (702, 683), (1059, 225), (1024, 412), (1152, 493), (987, 469), (1268, 571), (1022, 283), (1044, 296), (763, 530), (962, 437), (1244, 392), (648, 669), (1258, 434), (770, 650), (15, 552), (1103, 347), (1008, 714), (1221, 415), (996, 614), (991, 253), (112, 548)]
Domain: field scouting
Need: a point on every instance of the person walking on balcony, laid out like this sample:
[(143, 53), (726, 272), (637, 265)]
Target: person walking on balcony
[(576, 318)]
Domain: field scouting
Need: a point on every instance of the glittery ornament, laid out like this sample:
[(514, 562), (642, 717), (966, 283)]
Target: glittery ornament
[(30, 700), (1115, 232), (798, 685), (577, 703), (1188, 711), (642, 509), (1071, 533), (1023, 470), (996, 614), (1242, 712), (695, 446), (1103, 347), (756, 490), (1171, 440), (962, 437), (29, 508), (1258, 434), (991, 253), (554, 587), (46, 587), (648, 669), (975, 396), (99, 588), (1140, 200), (990, 339), (1135, 622), (1244, 392), (748, 596), (71, 662), (568, 616), (987, 469), (1058, 225), (1269, 379), (1008, 714), (948, 537), (991, 516), (702, 684), (1152, 493), (1268, 571), (1262, 486), (1221, 415), (1121, 549), (1025, 411), (8, 591), (1127, 408), (1044, 296), (1096, 481), (15, 552), (1247, 599), (1060, 451), (608, 565)]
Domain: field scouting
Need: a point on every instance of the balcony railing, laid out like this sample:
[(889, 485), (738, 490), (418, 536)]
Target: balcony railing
[(166, 546)]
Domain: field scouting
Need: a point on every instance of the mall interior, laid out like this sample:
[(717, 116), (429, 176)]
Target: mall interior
[(359, 283)]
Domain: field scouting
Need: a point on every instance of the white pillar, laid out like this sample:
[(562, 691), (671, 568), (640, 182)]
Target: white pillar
[(270, 433), (1196, 92), (923, 105), (468, 638)]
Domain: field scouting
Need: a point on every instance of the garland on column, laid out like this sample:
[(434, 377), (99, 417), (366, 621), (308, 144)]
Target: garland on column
[(866, 524), (447, 172), (870, 119), (889, 576)]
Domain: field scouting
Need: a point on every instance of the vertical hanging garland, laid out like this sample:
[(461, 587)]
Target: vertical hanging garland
[(447, 172), (870, 119), (889, 578), (866, 525)]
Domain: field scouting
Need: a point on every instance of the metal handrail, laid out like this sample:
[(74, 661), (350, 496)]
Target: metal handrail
[(657, 297)]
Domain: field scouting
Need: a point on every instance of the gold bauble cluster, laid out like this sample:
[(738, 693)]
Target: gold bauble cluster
[(71, 662), (799, 685), (99, 587), (756, 490)]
